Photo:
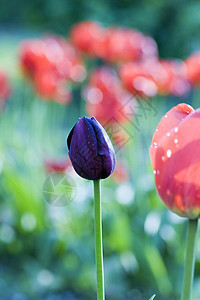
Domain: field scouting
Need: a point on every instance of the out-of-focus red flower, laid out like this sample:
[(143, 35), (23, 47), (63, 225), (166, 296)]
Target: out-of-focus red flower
[(193, 68), (150, 77), (5, 89), (106, 98), (172, 79), (58, 166), (124, 45), (50, 63), (90, 38), (138, 78), (175, 158), (112, 44), (120, 173)]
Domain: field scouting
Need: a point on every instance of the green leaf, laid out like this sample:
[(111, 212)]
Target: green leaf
[(152, 297), (158, 269)]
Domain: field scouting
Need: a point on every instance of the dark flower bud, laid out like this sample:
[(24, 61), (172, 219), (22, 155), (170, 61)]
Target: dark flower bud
[(90, 150)]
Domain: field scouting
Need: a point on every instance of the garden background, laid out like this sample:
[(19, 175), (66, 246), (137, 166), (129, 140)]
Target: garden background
[(47, 251)]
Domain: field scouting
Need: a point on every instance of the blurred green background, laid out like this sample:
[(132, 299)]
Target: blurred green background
[(47, 252)]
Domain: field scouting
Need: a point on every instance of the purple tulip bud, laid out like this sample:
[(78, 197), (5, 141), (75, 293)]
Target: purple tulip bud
[(90, 150)]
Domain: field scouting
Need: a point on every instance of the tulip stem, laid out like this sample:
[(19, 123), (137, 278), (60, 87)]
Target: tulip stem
[(189, 259), (98, 241)]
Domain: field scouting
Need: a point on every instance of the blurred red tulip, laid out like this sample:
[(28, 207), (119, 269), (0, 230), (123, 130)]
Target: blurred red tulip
[(112, 44), (138, 77), (193, 68), (57, 166), (123, 45), (106, 99), (5, 89), (172, 78), (120, 173), (89, 37), (50, 63), (175, 158), (150, 77)]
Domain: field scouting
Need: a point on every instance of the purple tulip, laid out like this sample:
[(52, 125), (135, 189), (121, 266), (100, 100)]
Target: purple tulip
[(90, 150)]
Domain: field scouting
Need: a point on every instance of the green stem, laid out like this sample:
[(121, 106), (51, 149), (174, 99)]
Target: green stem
[(98, 241), (189, 259)]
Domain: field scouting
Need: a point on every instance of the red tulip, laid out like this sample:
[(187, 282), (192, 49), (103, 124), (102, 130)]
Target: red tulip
[(106, 98), (5, 89), (140, 77), (150, 77), (89, 37), (175, 157), (50, 63), (120, 173), (123, 45), (112, 44), (49, 87), (172, 78), (56, 166), (193, 68)]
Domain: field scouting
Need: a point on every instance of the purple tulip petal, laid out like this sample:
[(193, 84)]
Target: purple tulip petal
[(90, 150)]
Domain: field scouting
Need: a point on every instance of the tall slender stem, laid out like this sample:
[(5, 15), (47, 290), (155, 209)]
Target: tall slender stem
[(189, 260), (98, 241)]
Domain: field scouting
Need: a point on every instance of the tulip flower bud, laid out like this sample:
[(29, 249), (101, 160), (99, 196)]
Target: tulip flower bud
[(175, 157), (90, 150)]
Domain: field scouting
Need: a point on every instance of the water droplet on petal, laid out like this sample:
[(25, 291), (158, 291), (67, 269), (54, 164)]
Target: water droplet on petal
[(158, 172), (155, 145), (176, 141), (176, 129), (165, 116), (163, 158), (169, 153), (168, 134), (154, 171)]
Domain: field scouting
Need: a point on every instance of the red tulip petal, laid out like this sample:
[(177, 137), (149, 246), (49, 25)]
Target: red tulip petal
[(171, 120), (177, 164)]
